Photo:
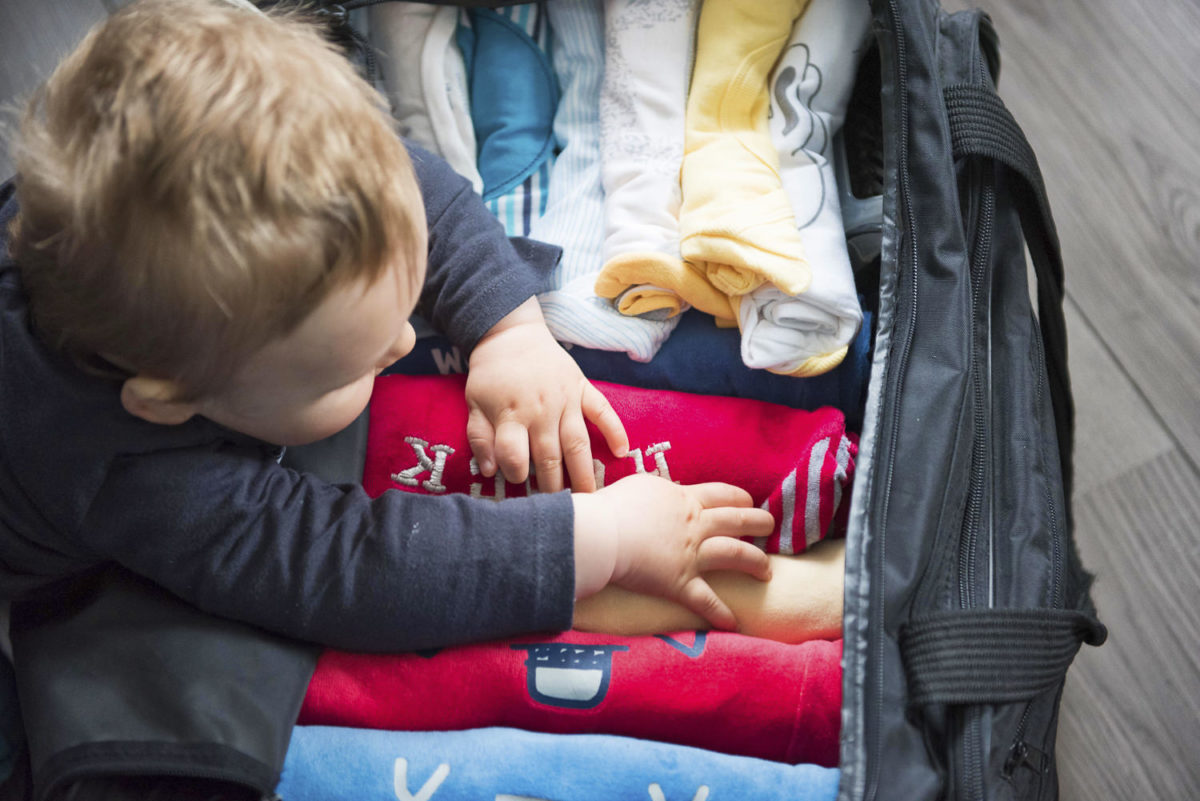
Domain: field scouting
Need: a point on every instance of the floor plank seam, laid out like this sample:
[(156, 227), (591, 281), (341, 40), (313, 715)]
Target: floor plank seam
[(1134, 383)]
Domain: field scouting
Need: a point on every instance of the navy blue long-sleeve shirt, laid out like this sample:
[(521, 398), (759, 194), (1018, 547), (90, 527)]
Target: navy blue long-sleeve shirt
[(209, 514)]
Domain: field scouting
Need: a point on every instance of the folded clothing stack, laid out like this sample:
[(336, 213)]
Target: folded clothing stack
[(797, 464), (716, 690)]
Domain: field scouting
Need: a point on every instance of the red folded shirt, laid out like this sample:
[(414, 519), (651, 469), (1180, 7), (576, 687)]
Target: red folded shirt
[(716, 690), (795, 463)]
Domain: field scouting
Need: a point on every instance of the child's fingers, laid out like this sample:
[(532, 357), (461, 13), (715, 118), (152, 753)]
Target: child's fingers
[(726, 553), (700, 598), (547, 458), (577, 452), (737, 521), (512, 450), (597, 409), (481, 437), (715, 494)]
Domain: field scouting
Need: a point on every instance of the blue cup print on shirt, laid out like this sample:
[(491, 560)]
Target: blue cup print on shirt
[(566, 675)]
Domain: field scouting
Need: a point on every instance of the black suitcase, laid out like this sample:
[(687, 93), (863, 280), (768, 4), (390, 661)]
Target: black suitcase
[(965, 601)]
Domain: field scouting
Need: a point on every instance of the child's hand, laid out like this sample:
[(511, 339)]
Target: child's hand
[(528, 398), (652, 536)]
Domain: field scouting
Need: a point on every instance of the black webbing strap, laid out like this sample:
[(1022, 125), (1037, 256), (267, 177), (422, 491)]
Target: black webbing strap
[(981, 125), (990, 656)]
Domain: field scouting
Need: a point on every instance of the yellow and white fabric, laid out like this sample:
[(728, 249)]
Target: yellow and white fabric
[(736, 222)]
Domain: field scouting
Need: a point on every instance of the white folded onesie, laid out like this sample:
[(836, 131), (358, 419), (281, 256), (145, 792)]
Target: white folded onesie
[(809, 333)]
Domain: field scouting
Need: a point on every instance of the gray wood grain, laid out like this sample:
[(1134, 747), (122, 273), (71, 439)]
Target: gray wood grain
[(1131, 711), (1109, 96), (1104, 451)]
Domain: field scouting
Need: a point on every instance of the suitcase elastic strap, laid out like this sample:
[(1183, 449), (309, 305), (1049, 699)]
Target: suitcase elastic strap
[(991, 656)]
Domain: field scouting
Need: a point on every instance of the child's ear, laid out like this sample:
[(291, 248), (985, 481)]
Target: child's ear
[(155, 400)]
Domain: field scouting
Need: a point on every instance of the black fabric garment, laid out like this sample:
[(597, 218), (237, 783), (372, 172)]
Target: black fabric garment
[(211, 516), (118, 677), (156, 788)]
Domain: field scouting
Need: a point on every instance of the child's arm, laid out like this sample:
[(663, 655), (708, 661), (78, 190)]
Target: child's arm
[(801, 601), (224, 527), (528, 401)]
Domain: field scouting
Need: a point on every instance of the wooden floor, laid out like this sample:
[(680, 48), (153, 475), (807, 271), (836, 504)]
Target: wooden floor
[(1109, 94)]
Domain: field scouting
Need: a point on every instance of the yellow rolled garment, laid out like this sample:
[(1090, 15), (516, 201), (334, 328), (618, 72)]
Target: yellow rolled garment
[(736, 223), (647, 282)]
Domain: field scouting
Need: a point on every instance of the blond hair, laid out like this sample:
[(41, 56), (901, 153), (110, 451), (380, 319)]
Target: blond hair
[(194, 179)]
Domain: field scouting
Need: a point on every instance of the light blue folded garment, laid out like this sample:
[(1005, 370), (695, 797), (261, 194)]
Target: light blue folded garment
[(513, 96), (326, 762)]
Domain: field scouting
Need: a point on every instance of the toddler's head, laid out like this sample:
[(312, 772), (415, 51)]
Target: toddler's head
[(214, 205)]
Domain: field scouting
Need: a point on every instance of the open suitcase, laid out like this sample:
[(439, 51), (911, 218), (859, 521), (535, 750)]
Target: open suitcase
[(965, 601)]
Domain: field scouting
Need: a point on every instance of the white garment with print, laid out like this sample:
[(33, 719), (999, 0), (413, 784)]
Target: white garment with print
[(810, 88), (574, 215), (642, 105)]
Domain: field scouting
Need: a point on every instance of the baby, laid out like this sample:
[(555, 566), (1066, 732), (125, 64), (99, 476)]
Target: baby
[(215, 244)]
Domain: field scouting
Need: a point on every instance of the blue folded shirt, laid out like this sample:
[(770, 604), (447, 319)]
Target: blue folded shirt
[(326, 762)]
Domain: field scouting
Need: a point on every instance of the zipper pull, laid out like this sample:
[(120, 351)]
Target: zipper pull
[(1022, 753)]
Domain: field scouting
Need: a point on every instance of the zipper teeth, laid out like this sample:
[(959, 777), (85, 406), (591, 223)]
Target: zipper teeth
[(1011, 763), (971, 520), (1051, 507), (1024, 720), (981, 247), (902, 365)]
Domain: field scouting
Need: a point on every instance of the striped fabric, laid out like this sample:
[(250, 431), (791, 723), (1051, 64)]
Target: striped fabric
[(519, 208), (574, 214), (813, 509)]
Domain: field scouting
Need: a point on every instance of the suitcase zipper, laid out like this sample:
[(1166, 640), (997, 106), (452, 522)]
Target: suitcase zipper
[(977, 515), (1021, 753), (1056, 545), (906, 259), (981, 380)]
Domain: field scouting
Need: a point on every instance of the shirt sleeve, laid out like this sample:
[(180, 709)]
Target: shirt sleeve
[(475, 274), (242, 537)]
